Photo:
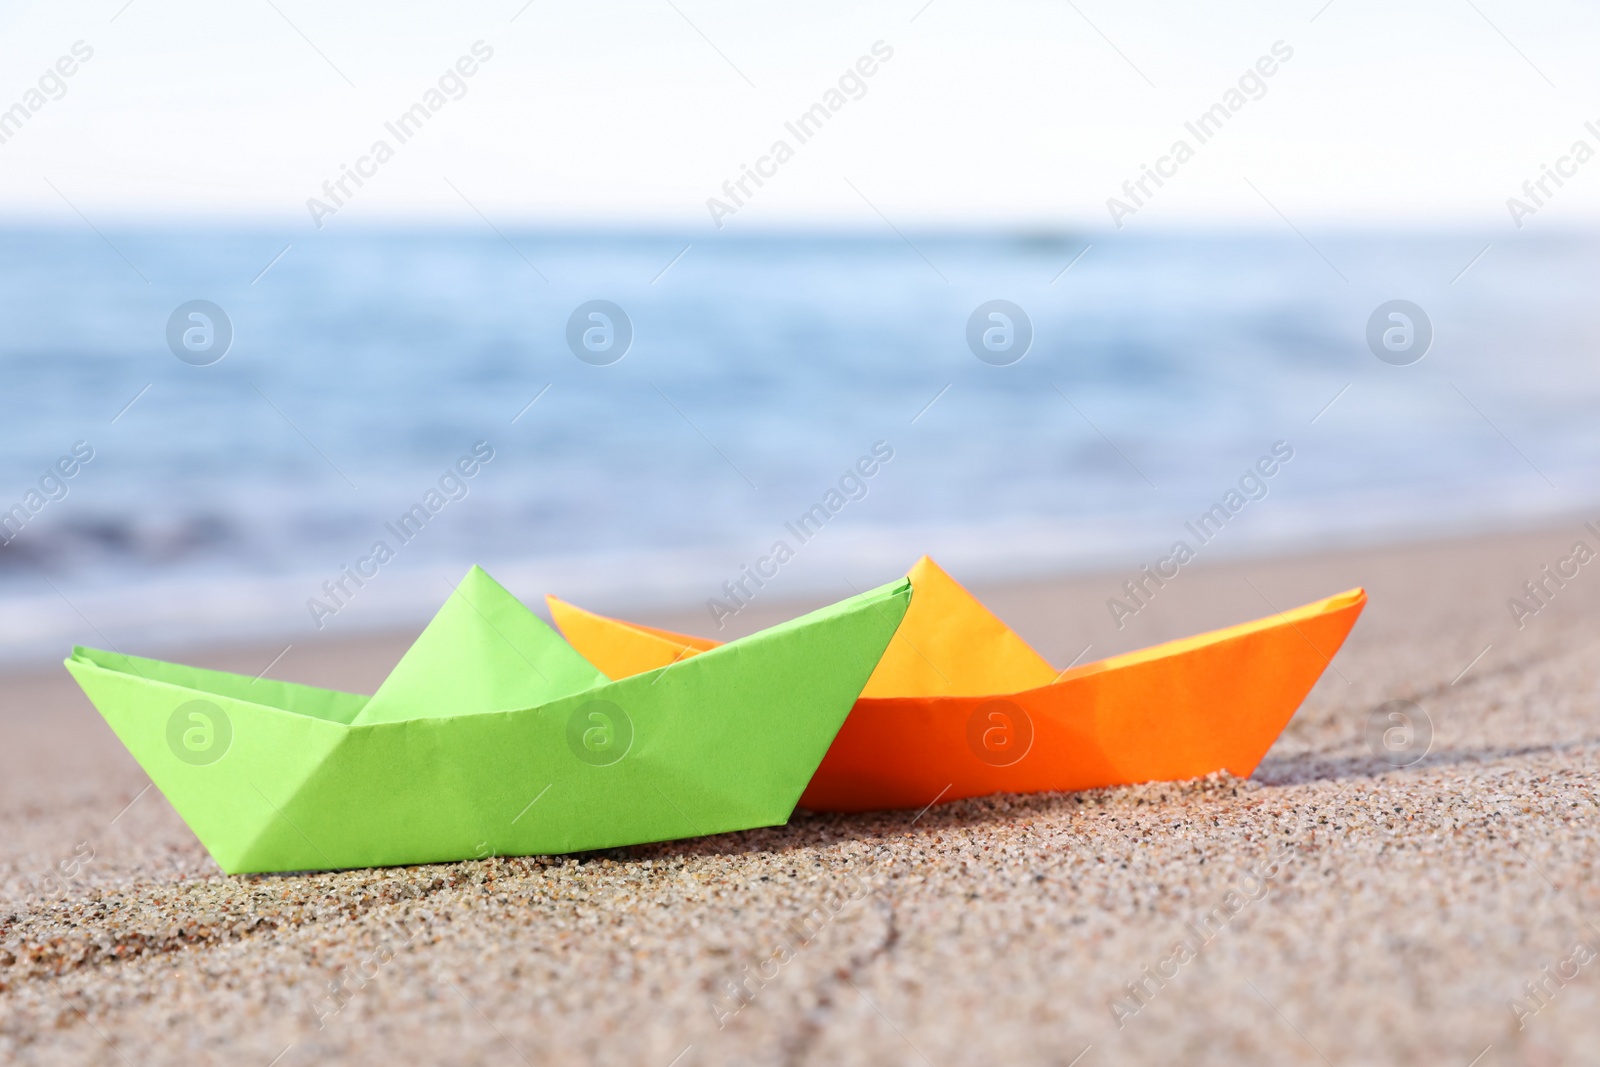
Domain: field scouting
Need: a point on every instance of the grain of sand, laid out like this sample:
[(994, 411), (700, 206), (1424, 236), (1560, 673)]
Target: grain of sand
[(1356, 912)]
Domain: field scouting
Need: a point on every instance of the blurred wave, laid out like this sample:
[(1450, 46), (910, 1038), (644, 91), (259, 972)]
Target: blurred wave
[(363, 365)]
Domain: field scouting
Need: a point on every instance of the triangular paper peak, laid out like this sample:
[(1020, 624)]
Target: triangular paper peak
[(949, 644), (621, 649), (483, 651)]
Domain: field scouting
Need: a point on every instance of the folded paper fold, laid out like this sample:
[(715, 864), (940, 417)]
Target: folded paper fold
[(493, 737), (961, 706), (483, 651)]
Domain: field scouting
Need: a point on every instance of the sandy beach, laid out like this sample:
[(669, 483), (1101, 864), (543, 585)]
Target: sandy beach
[(1442, 912)]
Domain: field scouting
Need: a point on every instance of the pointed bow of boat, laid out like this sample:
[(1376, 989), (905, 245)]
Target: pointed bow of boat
[(717, 742), (225, 763), (1180, 710)]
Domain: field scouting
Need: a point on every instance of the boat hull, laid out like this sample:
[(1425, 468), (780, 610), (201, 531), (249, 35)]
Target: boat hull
[(724, 741), (1215, 702)]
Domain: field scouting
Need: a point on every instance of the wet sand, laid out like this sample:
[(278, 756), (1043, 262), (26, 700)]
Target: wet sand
[(1332, 908)]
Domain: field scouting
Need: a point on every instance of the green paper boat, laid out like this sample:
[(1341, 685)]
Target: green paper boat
[(492, 736)]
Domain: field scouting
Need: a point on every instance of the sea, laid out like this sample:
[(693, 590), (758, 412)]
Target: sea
[(662, 411)]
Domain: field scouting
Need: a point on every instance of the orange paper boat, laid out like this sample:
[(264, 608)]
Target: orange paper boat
[(960, 706)]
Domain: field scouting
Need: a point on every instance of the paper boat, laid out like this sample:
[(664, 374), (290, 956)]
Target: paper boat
[(960, 706), (493, 737)]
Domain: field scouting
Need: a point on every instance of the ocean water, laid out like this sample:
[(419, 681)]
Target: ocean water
[(761, 371)]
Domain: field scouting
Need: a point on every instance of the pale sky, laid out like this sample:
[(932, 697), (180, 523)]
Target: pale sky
[(1017, 111)]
